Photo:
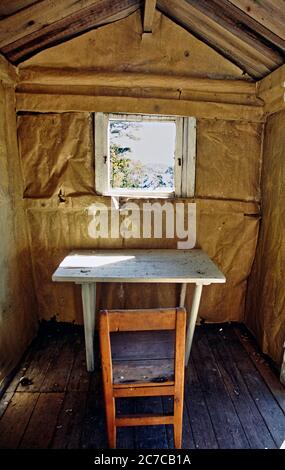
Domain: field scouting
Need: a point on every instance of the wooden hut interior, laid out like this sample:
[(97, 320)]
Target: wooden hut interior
[(126, 109)]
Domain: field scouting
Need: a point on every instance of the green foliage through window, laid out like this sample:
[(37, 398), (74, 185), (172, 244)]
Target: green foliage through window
[(129, 171)]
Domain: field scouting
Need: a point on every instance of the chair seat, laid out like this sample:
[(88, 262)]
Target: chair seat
[(143, 356)]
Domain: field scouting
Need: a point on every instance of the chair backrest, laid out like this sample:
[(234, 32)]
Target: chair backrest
[(142, 320)]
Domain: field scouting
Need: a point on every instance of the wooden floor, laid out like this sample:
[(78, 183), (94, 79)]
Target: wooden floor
[(233, 399)]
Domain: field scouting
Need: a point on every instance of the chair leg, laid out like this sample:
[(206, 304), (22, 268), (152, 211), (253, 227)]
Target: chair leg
[(112, 435), (178, 419), (111, 428)]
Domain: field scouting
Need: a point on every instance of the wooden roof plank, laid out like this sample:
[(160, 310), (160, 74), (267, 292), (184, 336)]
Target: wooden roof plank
[(38, 16), (99, 13), (226, 43), (230, 18), (246, 22), (12, 6), (250, 34), (269, 13)]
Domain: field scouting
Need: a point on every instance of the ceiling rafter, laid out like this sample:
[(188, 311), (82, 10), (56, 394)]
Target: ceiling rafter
[(9, 7), (233, 21), (249, 24), (38, 16), (249, 33), (149, 10), (199, 18), (270, 14), (98, 13)]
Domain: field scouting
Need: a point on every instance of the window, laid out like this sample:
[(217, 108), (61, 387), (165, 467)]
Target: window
[(145, 155)]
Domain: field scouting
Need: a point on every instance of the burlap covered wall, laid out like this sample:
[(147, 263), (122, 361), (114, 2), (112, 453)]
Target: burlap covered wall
[(58, 213), (228, 160), (119, 47), (58, 173), (58, 155), (265, 312), (18, 319)]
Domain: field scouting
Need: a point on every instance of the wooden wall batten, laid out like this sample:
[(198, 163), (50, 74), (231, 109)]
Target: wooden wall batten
[(46, 103), (271, 90), (8, 73), (95, 77)]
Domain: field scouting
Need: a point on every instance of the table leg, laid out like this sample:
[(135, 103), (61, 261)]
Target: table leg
[(88, 292), (182, 294), (192, 321)]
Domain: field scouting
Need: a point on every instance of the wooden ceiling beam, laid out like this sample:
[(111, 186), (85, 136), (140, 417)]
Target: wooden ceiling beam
[(9, 7), (149, 10), (99, 12), (247, 23), (71, 77), (251, 34), (236, 22), (269, 13), (47, 103), (244, 54), (38, 16)]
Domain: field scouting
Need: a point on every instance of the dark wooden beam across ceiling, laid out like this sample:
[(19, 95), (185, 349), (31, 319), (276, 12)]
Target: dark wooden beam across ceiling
[(222, 26), (270, 14), (239, 23), (44, 32), (249, 33)]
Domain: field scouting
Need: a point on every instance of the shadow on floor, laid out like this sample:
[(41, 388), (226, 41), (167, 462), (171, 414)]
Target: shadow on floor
[(233, 398)]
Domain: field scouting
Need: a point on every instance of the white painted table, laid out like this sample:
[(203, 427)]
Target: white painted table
[(177, 266)]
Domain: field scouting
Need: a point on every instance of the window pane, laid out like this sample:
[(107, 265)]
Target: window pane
[(142, 155)]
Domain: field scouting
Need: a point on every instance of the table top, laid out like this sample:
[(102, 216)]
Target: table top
[(179, 266)]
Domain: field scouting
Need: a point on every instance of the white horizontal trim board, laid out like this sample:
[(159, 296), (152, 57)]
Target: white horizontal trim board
[(124, 192)]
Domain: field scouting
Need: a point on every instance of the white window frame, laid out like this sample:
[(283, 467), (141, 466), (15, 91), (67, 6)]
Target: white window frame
[(184, 162)]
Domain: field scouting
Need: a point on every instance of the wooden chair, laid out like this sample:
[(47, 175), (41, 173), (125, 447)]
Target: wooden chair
[(142, 354)]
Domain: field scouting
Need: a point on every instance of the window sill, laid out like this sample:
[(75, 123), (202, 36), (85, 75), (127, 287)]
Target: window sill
[(140, 194)]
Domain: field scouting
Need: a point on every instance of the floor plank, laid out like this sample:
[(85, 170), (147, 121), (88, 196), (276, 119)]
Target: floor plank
[(150, 437), (266, 404), (125, 436), (16, 419), (4, 402), (41, 427), (70, 420), (46, 348), (226, 423), (232, 398), (187, 435), (197, 409), (57, 375), (94, 434), (261, 363), (79, 378), (252, 422)]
